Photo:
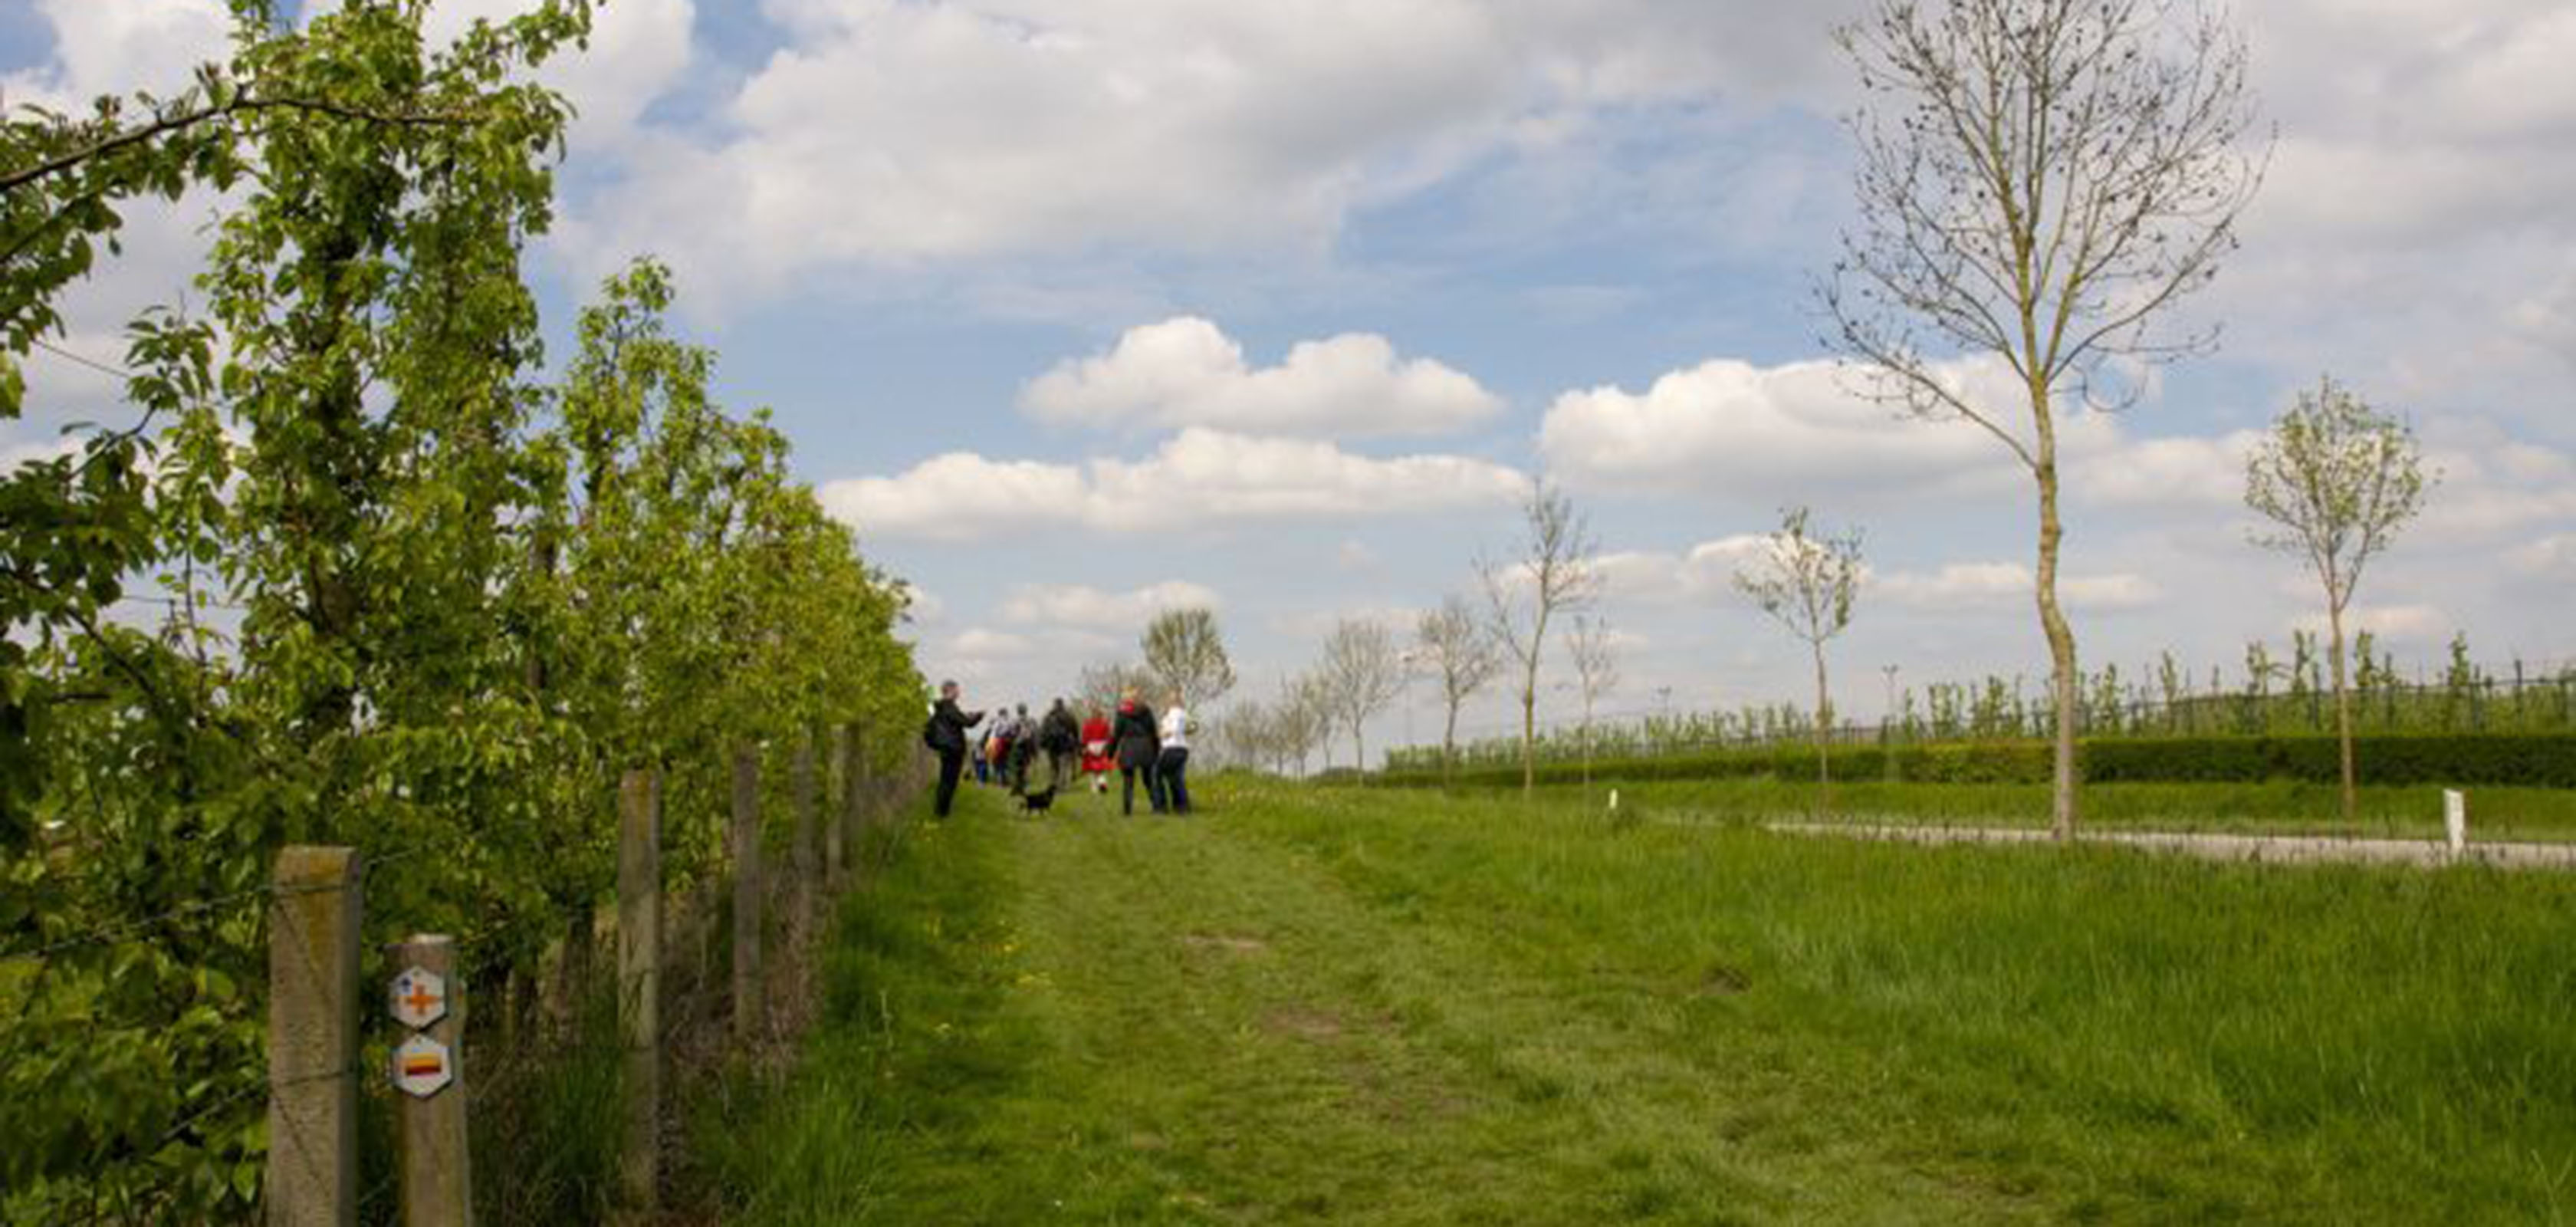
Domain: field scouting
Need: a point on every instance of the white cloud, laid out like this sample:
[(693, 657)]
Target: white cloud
[(1705, 570), (1198, 480), (1185, 372), (2416, 625), (1995, 585), (1076, 606), (2549, 559)]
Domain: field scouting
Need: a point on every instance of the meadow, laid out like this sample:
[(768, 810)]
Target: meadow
[(1373, 1006)]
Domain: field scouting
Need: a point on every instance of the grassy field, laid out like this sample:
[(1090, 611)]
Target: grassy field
[(2278, 807), (1331, 1006)]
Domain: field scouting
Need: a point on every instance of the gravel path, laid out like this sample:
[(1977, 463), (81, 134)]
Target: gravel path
[(2279, 849)]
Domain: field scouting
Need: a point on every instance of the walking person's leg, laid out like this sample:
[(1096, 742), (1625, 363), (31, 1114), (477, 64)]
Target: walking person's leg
[(1154, 785), (1176, 786), (951, 764), (1127, 790)]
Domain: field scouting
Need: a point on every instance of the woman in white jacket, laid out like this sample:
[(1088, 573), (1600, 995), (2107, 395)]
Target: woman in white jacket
[(1173, 766)]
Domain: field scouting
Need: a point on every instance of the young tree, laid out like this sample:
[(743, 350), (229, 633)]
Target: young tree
[(1553, 574), (1807, 583), (1463, 656), (1102, 682), (1184, 651), (2039, 181), (2337, 479), (1596, 671), (1305, 721), (1361, 672)]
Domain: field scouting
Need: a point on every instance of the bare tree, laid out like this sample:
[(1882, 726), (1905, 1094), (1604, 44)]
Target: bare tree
[(1101, 684), (1463, 656), (1596, 672), (1553, 574), (1186, 653), (1299, 722), (1807, 583), (1361, 672), (2339, 479), (2039, 181)]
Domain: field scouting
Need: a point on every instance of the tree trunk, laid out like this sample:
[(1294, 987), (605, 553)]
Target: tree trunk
[(1529, 735), (1449, 748), (2343, 717), (1824, 738), (2061, 644), (1359, 753)]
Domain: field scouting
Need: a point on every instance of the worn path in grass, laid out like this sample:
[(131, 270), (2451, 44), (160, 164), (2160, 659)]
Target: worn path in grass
[(1099, 1019), (2275, 849), (1327, 1006)]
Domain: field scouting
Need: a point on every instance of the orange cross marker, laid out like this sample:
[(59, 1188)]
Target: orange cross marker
[(420, 999)]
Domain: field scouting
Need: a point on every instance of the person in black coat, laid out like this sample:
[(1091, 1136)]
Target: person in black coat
[(1138, 744), (946, 736)]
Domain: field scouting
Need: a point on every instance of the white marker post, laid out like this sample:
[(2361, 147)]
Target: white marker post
[(2455, 819), (1614, 800)]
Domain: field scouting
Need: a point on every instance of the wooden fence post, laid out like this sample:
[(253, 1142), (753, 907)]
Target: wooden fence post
[(836, 831), (639, 984), (313, 1039), (428, 999), (747, 909), (802, 859)]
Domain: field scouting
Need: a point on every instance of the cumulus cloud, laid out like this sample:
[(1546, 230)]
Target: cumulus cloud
[(1704, 570), (1076, 606), (1993, 585), (2415, 625), (1199, 479), (1186, 372)]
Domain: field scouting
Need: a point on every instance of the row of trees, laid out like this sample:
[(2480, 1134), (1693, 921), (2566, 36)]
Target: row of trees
[(356, 573)]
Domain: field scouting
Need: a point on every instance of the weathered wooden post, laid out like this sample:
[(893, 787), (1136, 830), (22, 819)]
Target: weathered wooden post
[(802, 860), (313, 1039), (836, 831), (747, 1012), (428, 1000), (639, 984)]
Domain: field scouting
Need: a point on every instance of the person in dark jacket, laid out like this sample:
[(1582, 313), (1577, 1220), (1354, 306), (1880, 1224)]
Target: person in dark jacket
[(946, 736), (1060, 735), (1139, 744)]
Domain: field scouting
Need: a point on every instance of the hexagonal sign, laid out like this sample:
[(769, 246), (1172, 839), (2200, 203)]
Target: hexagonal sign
[(423, 1067), (419, 998)]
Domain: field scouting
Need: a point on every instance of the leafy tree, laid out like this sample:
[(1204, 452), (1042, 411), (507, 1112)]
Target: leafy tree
[(1463, 656), (2039, 183), (2337, 479), (1552, 574), (1184, 650), (1807, 583)]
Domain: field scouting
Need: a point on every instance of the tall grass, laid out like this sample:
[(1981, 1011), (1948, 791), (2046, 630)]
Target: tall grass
[(2168, 1038)]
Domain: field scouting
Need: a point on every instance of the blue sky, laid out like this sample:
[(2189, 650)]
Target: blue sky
[(1078, 309)]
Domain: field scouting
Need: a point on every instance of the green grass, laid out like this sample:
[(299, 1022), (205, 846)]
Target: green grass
[(1332, 1006), (2275, 807)]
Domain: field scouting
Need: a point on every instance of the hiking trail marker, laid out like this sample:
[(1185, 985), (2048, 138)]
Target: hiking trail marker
[(419, 998), (422, 1067)]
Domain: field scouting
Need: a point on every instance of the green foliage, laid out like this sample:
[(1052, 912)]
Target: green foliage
[(419, 603)]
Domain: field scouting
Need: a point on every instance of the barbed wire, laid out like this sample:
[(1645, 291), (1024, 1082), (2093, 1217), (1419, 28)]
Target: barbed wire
[(128, 930)]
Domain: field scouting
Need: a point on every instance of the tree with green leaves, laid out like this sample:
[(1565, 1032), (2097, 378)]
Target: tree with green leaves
[(1807, 582), (2040, 182), (2337, 479), (1185, 651)]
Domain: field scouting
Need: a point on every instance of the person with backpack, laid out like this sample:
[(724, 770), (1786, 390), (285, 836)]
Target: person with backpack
[(1061, 737), (945, 734), (1139, 744)]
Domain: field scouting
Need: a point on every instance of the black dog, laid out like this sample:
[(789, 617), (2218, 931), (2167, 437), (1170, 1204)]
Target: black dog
[(1038, 801)]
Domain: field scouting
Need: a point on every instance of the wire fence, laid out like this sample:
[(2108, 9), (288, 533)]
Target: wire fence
[(2518, 701)]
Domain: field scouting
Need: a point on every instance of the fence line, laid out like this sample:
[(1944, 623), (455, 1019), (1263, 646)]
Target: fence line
[(2528, 702)]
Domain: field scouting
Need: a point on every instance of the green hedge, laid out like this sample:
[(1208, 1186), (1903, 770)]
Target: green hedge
[(2535, 760)]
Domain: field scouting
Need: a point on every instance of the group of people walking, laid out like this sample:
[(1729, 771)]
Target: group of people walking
[(1037, 759)]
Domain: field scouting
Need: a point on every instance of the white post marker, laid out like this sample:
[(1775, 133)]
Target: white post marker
[(1614, 800), (2455, 819), (423, 1067), (419, 998)]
